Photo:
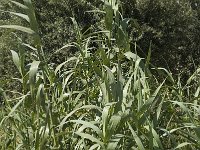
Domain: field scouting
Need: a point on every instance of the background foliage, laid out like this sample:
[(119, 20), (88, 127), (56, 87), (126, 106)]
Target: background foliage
[(172, 32)]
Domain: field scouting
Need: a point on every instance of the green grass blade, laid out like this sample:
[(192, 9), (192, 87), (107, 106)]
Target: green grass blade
[(90, 137), (19, 4), (20, 28), (182, 145), (16, 60), (88, 125), (74, 111), (33, 71), (136, 138)]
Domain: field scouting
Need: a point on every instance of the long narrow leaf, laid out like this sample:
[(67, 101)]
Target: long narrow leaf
[(20, 28)]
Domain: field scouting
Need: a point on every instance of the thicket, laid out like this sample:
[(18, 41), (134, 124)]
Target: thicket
[(94, 74), (172, 33)]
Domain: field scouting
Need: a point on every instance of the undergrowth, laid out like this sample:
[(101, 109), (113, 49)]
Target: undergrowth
[(104, 97)]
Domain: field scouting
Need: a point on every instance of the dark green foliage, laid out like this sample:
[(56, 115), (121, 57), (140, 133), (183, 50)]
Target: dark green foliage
[(7, 42), (172, 26), (55, 23)]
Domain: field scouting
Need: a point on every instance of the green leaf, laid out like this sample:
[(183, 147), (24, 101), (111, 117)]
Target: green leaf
[(136, 138), (150, 100), (13, 109), (77, 29), (90, 137), (74, 111), (16, 60), (109, 17), (19, 4), (193, 76), (129, 55), (23, 16), (32, 72), (113, 124), (62, 64), (31, 14), (148, 57), (105, 120), (182, 145), (197, 92), (40, 97), (113, 143), (166, 74), (95, 147), (20, 28), (88, 125)]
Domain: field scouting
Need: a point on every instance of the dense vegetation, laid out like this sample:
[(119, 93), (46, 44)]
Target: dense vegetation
[(102, 74)]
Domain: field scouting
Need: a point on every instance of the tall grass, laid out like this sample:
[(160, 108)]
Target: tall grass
[(105, 97)]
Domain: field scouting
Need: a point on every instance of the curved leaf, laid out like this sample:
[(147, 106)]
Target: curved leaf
[(20, 28)]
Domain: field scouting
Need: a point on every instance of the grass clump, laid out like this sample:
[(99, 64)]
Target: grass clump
[(104, 97)]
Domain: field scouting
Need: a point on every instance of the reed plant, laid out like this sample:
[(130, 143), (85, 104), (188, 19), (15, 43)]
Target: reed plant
[(104, 97)]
